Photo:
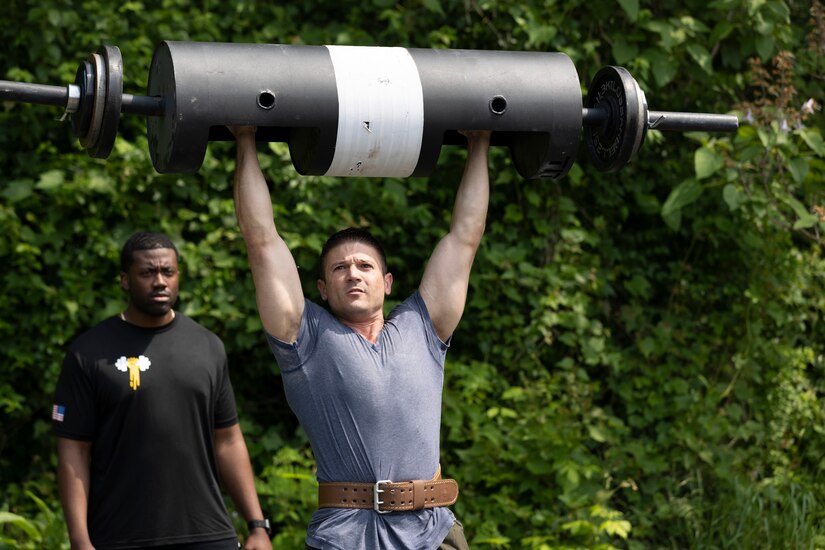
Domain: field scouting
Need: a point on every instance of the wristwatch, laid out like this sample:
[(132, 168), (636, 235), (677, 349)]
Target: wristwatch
[(259, 524)]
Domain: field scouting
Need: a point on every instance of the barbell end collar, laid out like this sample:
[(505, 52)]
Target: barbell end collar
[(72, 100)]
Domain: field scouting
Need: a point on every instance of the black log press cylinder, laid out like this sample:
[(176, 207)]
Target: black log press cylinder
[(364, 111)]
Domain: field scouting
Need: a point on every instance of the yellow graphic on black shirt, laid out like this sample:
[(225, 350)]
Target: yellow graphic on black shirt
[(135, 365)]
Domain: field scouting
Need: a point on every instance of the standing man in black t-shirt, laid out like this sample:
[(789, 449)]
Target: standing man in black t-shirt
[(146, 424)]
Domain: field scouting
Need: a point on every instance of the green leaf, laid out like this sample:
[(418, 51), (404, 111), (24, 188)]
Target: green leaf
[(631, 8), (18, 190), (647, 346), (624, 51), (514, 393), (596, 434), (701, 55), (662, 66), (673, 219), (780, 10), (540, 34), (707, 162), (187, 214), (764, 46), (434, 6), (721, 31), (806, 221), (682, 195), (750, 153), (638, 286), (21, 523), (795, 204), (50, 180), (799, 168), (733, 196), (813, 138), (508, 413), (579, 527), (805, 218), (614, 527), (669, 37), (570, 471), (648, 203)]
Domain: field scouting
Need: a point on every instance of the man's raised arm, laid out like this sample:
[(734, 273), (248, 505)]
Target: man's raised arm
[(278, 289), (447, 275)]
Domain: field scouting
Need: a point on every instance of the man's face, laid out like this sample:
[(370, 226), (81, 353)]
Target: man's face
[(152, 282), (354, 283)]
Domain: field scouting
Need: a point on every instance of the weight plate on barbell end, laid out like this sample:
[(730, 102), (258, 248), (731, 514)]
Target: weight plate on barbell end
[(97, 94), (616, 141), (112, 63), (85, 81)]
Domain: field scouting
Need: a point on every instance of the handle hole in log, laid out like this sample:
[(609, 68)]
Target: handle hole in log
[(266, 100), (498, 104)]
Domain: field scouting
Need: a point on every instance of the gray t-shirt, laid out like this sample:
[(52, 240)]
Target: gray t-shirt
[(372, 412)]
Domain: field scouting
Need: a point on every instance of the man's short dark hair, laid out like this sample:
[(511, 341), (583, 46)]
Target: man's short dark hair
[(144, 240), (352, 235)]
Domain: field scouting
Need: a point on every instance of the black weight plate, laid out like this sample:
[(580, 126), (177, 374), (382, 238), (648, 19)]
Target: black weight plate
[(615, 142), (85, 81), (97, 94), (112, 63)]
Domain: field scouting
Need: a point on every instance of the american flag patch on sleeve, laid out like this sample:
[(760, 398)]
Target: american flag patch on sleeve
[(58, 411)]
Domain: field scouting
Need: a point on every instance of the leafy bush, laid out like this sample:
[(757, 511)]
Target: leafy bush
[(641, 359)]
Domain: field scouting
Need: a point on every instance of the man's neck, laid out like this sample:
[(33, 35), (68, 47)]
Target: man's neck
[(135, 317), (369, 329)]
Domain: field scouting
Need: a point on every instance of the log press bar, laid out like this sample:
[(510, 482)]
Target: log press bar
[(364, 111)]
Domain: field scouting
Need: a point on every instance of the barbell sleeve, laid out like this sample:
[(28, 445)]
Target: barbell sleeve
[(668, 121), (40, 94), (142, 105), (593, 116), (688, 122), (63, 96)]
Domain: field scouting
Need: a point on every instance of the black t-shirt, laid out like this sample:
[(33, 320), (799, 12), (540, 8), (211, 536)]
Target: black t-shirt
[(149, 400)]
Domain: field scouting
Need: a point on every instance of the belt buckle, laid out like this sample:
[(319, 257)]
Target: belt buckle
[(376, 504)]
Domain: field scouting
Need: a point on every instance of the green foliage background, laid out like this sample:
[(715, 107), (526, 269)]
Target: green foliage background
[(642, 359)]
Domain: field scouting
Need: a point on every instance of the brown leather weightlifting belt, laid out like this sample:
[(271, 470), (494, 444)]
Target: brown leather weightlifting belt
[(389, 496)]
